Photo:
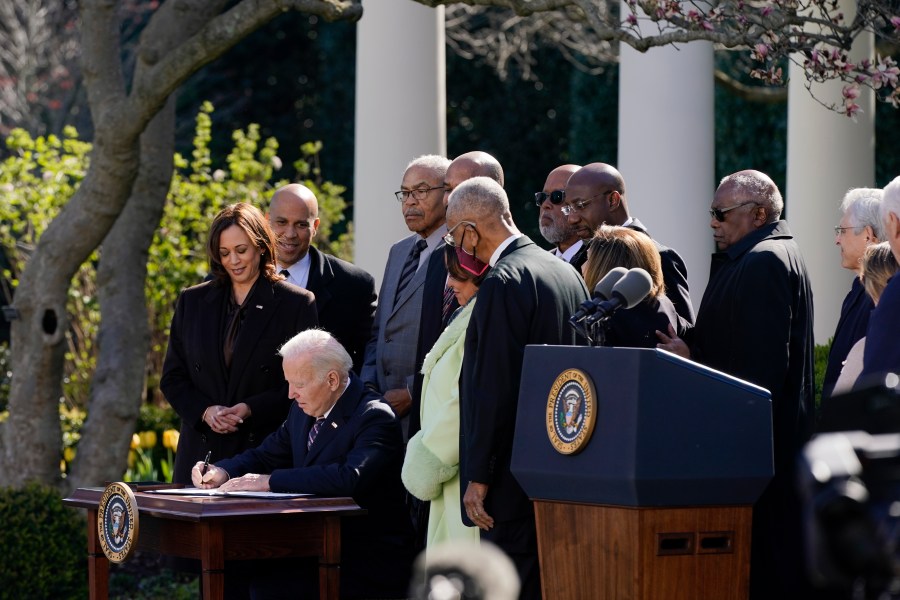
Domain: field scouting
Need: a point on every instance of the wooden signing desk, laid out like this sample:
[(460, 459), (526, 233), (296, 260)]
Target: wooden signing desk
[(217, 529)]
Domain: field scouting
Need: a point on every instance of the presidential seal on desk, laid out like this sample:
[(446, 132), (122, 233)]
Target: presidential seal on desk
[(571, 410), (117, 522)]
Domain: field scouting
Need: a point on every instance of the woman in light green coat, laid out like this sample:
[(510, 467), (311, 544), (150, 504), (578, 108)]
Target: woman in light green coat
[(431, 467)]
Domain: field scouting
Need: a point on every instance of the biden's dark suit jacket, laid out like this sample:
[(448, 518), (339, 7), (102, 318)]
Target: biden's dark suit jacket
[(194, 374), (358, 452), (345, 301)]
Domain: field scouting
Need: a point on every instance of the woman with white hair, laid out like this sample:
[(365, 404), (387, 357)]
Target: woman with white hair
[(860, 227)]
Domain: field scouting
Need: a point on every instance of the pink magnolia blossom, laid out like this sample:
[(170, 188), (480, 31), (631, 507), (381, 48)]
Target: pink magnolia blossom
[(851, 92), (895, 21)]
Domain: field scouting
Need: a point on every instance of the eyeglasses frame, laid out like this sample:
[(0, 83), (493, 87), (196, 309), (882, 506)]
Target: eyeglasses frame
[(402, 195), (579, 205), (541, 197), (450, 240), (719, 213)]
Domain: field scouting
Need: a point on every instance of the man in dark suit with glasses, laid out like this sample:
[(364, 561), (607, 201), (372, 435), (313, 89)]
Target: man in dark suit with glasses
[(594, 196)]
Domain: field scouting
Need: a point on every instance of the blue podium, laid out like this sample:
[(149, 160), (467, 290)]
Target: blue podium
[(643, 468)]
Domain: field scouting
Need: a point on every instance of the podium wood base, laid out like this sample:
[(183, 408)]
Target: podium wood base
[(617, 553)]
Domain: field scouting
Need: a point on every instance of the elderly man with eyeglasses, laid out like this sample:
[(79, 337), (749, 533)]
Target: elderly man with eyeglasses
[(392, 355), (595, 196), (755, 322)]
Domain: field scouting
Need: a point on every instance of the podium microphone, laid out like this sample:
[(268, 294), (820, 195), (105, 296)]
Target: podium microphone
[(602, 292), (628, 292)]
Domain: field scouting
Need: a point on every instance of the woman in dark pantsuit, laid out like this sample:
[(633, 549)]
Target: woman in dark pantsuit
[(222, 372)]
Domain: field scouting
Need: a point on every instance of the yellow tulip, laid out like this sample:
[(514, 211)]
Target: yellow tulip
[(170, 439), (135, 441), (132, 457), (147, 439), (69, 454)]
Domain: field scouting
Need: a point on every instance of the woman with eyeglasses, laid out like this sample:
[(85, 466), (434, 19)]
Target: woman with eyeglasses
[(431, 467), (614, 246)]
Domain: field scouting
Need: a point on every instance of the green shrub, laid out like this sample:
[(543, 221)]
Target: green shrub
[(821, 358), (44, 545)]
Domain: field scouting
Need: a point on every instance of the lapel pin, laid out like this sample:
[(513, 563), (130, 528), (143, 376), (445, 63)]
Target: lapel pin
[(333, 425), (259, 306)]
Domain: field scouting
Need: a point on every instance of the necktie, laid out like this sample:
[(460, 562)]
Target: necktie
[(447, 307), (410, 267), (286, 273), (314, 431)]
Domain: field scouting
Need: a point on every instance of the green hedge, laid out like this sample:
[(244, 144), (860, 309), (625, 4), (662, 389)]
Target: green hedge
[(44, 546)]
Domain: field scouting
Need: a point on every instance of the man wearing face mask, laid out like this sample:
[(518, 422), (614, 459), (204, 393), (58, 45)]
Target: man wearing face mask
[(526, 299), (554, 225)]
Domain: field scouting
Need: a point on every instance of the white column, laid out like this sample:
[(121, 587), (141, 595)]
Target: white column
[(667, 148), (827, 154), (400, 114)]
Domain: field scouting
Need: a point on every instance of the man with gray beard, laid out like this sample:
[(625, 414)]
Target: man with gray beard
[(553, 224)]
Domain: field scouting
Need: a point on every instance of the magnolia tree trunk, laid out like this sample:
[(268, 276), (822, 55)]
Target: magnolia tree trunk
[(124, 337), (30, 445)]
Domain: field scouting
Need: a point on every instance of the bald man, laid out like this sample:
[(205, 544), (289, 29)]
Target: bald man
[(469, 165), (552, 222), (755, 322), (345, 294), (595, 195), (526, 299)]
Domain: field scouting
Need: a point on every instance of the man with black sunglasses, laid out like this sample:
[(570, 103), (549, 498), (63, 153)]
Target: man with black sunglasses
[(552, 222), (755, 322), (595, 196)]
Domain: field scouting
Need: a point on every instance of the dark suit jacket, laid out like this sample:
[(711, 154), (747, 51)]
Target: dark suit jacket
[(345, 301), (358, 452), (430, 327), (851, 327), (194, 375), (580, 257), (882, 353), (526, 299), (636, 327), (674, 276)]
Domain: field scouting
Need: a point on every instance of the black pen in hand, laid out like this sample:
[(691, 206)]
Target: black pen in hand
[(206, 463)]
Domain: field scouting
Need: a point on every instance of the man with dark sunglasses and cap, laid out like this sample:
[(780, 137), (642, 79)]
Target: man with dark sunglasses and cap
[(755, 322), (554, 225)]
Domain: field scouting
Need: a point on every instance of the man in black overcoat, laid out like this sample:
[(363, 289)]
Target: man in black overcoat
[(527, 299), (755, 322)]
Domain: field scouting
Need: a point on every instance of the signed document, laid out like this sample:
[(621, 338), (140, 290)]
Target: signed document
[(190, 491)]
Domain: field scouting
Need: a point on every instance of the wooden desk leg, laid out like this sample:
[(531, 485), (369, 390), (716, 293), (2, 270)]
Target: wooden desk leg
[(330, 560), (212, 558), (98, 564)]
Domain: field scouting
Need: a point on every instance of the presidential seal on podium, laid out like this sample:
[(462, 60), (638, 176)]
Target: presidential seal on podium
[(571, 411), (117, 522)]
